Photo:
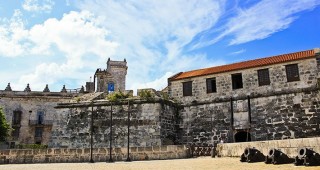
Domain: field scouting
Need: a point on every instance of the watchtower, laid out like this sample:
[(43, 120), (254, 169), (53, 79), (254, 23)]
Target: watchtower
[(113, 78)]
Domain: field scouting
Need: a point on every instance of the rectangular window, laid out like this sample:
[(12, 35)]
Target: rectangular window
[(263, 77), (292, 72), (16, 118), (38, 132), (211, 85), (15, 133), (187, 88), (40, 116), (237, 81)]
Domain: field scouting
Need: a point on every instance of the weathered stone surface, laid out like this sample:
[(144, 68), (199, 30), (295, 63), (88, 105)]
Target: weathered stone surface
[(83, 155), (280, 110), (144, 129), (289, 146)]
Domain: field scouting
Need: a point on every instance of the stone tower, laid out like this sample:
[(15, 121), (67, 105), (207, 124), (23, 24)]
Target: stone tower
[(113, 78)]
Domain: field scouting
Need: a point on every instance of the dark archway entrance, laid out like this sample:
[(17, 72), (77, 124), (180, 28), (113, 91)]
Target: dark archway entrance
[(242, 136)]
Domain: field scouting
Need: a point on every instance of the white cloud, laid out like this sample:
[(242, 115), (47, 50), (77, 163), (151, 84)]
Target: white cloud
[(238, 52), (265, 18), (75, 34), (38, 5), (12, 33), (260, 21), (153, 35), (158, 84), (78, 36)]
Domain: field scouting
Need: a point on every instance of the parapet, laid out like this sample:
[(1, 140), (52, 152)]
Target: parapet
[(27, 92), (119, 64)]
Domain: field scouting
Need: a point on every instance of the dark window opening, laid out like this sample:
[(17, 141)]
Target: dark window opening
[(40, 116), (12, 145), (38, 132), (237, 81), (187, 88), (242, 136), (211, 85), (16, 118), (263, 77), (15, 133), (292, 72)]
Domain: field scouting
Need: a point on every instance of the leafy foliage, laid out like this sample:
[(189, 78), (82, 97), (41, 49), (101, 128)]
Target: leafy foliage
[(78, 99), (4, 126), (116, 96), (165, 96), (146, 94)]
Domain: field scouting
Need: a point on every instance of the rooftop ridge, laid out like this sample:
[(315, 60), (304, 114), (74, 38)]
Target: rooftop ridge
[(246, 64)]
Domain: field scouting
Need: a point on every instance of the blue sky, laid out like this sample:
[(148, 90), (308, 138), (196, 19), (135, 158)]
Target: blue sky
[(63, 42)]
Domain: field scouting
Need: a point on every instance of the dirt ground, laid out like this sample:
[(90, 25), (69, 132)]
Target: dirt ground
[(183, 164)]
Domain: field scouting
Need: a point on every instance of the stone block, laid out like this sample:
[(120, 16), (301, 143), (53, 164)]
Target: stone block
[(133, 149), (86, 150), (163, 148), (148, 149), (284, 143), (156, 148), (4, 152), (57, 151), (141, 149), (79, 151)]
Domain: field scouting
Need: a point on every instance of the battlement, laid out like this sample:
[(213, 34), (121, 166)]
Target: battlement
[(113, 77), (27, 92), (38, 94), (120, 64)]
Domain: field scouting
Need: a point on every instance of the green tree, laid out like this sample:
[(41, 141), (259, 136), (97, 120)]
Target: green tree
[(4, 126)]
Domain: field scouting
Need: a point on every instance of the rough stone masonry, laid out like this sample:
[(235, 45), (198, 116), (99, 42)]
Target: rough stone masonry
[(236, 108)]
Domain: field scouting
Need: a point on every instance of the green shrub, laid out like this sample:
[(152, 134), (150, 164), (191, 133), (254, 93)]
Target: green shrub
[(146, 94), (78, 99), (165, 96), (4, 127), (116, 96)]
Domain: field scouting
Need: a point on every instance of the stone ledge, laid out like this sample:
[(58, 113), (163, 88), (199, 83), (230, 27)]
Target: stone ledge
[(54, 155), (288, 146)]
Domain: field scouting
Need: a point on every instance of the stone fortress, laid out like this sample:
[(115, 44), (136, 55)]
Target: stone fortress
[(263, 99)]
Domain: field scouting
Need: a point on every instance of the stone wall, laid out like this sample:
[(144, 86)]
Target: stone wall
[(308, 74), (29, 103), (281, 110), (152, 123), (55, 155), (282, 116), (289, 146)]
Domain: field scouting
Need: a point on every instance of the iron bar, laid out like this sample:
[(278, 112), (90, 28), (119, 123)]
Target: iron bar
[(91, 139), (249, 109), (249, 116), (231, 118), (110, 148), (128, 152)]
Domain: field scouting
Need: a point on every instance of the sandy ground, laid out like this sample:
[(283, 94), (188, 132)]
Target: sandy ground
[(183, 164)]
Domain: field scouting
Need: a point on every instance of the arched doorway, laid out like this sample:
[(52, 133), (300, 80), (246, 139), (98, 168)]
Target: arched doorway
[(242, 136)]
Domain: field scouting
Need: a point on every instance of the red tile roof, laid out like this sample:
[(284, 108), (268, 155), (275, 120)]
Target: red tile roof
[(245, 64)]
